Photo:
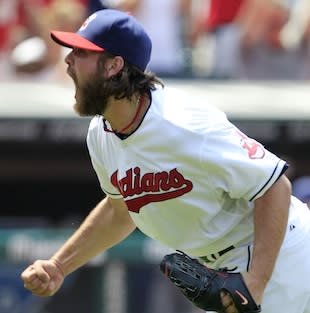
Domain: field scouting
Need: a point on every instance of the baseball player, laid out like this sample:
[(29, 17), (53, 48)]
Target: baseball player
[(176, 168)]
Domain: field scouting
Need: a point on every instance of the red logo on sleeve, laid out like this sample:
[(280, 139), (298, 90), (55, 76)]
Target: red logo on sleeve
[(255, 149)]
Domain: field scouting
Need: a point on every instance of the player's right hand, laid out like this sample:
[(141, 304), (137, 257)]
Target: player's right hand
[(43, 278)]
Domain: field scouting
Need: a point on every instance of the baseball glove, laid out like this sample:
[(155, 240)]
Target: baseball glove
[(203, 286)]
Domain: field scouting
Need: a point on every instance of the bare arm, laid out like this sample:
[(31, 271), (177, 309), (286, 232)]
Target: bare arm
[(270, 222), (107, 224)]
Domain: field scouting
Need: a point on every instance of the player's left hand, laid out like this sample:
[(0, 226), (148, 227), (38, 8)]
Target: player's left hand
[(251, 283), (219, 290)]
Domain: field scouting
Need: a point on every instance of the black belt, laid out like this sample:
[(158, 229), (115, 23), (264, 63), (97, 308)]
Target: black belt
[(214, 256)]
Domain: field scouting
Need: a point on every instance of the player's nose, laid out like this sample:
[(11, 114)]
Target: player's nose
[(69, 58)]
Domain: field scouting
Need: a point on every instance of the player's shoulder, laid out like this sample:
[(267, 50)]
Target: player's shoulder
[(93, 129), (181, 107), (95, 123)]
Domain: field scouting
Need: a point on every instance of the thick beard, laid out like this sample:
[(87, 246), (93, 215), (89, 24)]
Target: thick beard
[(93, 97)]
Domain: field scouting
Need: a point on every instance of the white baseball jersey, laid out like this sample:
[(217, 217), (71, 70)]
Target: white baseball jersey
[(188, 176)]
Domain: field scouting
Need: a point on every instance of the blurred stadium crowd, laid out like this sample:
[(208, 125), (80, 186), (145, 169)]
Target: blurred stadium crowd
[(212, 39)]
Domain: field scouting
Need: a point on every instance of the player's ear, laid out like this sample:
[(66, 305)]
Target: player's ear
[(114, 65)]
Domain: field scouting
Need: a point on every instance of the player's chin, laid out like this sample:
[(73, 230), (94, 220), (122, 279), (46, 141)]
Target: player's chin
[(80, 109), (77, 109)]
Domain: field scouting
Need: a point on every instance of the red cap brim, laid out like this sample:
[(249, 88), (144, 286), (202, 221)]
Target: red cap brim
[(73, 40)]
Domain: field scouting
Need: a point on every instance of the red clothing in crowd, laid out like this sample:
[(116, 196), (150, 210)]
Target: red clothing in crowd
[(14, 14), (221, 12)]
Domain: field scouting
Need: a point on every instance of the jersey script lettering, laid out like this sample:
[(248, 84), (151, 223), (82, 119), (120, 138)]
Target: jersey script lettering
[(154, 187)]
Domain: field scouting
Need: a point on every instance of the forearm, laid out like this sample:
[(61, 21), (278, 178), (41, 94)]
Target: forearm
[(270, 222), (103, 228)]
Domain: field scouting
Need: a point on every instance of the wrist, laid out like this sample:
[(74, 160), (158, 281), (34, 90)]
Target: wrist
[(256, 285), (257, 280), (59, 266)]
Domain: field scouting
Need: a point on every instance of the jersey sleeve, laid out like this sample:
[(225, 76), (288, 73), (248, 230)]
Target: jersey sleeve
[(238, 164), (98, 162)]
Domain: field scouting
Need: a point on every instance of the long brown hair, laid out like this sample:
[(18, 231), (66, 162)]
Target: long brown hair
[(129, 80)]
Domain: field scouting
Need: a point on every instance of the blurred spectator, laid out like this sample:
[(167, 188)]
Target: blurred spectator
[(95, 5), (296, 32), (16, 20), (15, 26), (263, 54), (301, 188), (165, 22), (37, 57), (248, 38), (215, 39), (8, 18)]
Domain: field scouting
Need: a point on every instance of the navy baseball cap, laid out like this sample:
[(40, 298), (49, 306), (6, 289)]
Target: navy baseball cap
[(114, 31)]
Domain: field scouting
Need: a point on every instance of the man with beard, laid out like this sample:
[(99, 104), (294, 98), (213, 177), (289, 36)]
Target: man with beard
[(178, 170)]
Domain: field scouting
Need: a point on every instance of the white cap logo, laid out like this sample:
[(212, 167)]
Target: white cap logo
[(87, 21)]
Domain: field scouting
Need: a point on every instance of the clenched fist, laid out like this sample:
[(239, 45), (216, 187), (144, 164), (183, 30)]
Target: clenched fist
[(43, 278)]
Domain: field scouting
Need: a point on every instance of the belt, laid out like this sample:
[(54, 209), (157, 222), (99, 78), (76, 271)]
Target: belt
[(214, 256)]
